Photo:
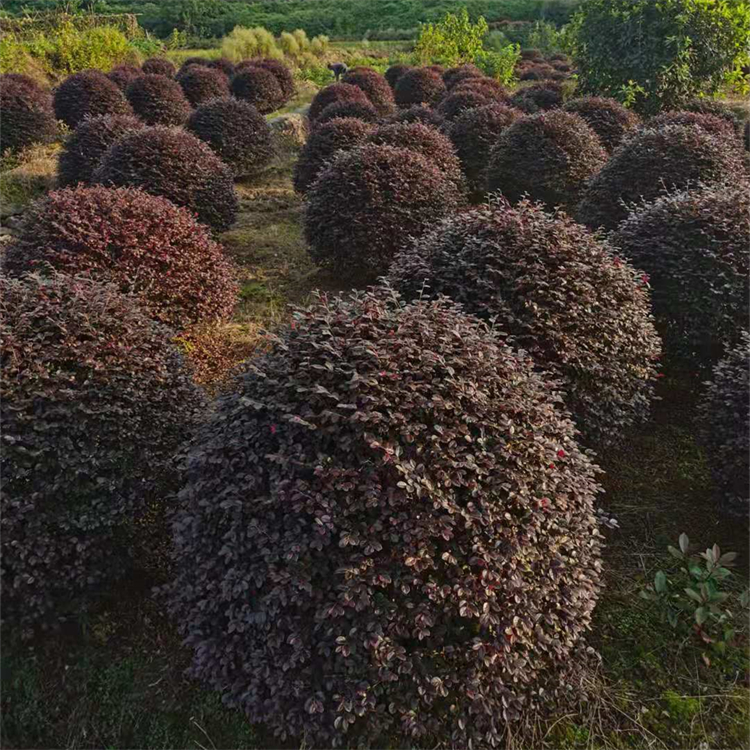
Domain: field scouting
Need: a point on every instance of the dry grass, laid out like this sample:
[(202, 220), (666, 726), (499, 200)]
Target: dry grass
[(27, 176)]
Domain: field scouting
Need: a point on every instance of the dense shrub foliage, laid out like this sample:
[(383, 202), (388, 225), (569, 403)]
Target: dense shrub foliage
[(539, 96), (487, 86), (363, 545), (650, 163), (175, 164), (27, 114), (158, 100), (395, 72), (200, 84), (259, 87), (474, 133), (159, 66), (143, 244), (726, 426), (418, 113), (361, 110), (550, 156), (85, 146), (124, 75), (336, 92), (708, 122), (606, 117), (323, 144), (456, 75), (368, 201), (281, 72), (561, 293), (236, 132), (95, 402), (375, 87), (419, 86), (717, 108), (456, 103), (695, 246), (223, 64), (87, 94)]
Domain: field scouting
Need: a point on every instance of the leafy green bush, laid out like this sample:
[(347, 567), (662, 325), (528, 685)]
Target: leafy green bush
[(358, 497), (242, 43), (451, 41), (499, 65)]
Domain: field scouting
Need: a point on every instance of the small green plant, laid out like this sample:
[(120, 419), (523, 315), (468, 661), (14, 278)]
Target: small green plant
[(452, 41), (500, 65), (691, 597)]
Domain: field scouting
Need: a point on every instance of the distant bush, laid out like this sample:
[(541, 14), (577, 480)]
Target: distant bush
[(389, 194), (499, 66), (159, 66), (395, 72), (454, 104), (222, 64), (282, 73), (195, 61), (336, 92), (27, 114), (488, 87), (124, 75), (550, 157), (259, 87), (323, 144), (87, 94), (453, 40), (238, 134), (418, 113), (393, 515), (581, 313), (708, 122), (650, 163), (337, 110), (242, 43), (453, 76), (606, 117), (86, 145), (95, 403), (377, 89), (725, 427), (202, 84), (694, 244), (173, 163), (717, 108), (158, 100), (143, 244), (419, 86), (539, 96)]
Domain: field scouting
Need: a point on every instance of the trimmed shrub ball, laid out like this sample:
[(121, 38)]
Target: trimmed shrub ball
[(361, 110), (539, 96), (532, 54), (474, 133), (196, 61), (223, 64), (652, 162), (694, 245), (718, 109), (336, 92), (562, 295), (259, 87), (143, 244), (456, 103), (456, 75), (158, 100), (377, 89), (173, 163), (236, 132), (418, 113), (159, 66), (725, 427), (357, 509), (201, 84), (395, 72), (88, 94), (606, 117), (489, 87), (27, 114), (550, 156), (366, 203), (419, 86), (95, 403), (323, 144), (541, 72), (425, 140), (124, 75), (710, 123), (85, 146), (283, 75)]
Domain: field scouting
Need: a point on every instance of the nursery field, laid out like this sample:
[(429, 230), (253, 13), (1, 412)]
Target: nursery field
[(405, 410)]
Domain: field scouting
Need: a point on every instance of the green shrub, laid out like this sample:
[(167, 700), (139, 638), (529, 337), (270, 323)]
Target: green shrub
[(158, 100), (391, 544), (499, 65), (242, 43), (88, 94), (559, 291), (27, 114), (453, 40)]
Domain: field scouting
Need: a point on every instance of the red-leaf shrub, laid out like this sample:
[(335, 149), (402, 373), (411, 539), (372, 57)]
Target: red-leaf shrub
[(418, 113), (474, 133), (718, 109), (708, 122), (487, 86), (360, 110), (283, 74), (395, 72), (27, 114), (606, 117), (159, 66), (201, 84), (375, 87), (236, 132), (143, 244), (560, 292), (158, 100), (532, 54), (87, 94), (540, 72), (456, 75), (336, 92), (259, 87), (693, 244), (95, 402), (650, 163), (323, 144), (456, 103), (550, 156), (354, 524), (124, 75), (366, 203), (539, 96), (173, 163), (419, 86), (223, 64), (725, 427), (85, 146), (196, 61)]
